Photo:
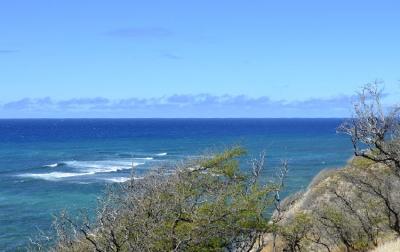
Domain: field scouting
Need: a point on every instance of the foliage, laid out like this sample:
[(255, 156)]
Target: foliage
[(295, 233), (206, 205)]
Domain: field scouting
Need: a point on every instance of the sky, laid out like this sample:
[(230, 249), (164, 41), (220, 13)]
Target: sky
[(206, 58)]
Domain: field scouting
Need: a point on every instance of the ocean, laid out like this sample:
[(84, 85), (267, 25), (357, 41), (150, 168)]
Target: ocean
[(47, 165)]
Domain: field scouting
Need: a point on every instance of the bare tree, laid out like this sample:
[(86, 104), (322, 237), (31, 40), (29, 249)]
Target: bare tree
[(374, 130), (375, 135)]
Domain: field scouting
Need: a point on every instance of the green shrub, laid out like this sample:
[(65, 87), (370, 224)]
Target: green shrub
[(206, 205)]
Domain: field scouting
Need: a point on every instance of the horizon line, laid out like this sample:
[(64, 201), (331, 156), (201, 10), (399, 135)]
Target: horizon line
[(127, 118)]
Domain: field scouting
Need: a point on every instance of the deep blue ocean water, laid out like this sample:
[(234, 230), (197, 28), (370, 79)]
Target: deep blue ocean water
[(49, 165)]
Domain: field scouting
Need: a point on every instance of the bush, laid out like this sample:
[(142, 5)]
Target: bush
[(206, 205), (295, 233)]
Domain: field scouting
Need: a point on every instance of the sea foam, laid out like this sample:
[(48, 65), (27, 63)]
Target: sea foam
[(121, 179), (102, 166), (144, 158), (53, 175), (52, 165), (83, 168), (118, 179)]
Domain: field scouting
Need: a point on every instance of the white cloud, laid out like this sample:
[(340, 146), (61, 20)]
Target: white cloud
[(201, 105)]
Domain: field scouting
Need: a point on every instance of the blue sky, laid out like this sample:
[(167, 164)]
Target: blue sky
[(194, 58)]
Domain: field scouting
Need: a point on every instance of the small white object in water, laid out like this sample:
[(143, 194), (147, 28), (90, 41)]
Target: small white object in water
[(118, 179), (52, 165), (121, 179), (145, 158)]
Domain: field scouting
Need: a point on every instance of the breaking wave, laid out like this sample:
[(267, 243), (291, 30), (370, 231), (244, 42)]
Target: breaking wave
[(102, 166), (53, 165), (144, 158), (118, 179), (121, 179), (53, 175), (83, 168)]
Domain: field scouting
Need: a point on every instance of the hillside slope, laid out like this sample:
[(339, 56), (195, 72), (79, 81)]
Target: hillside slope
[(341, 210)]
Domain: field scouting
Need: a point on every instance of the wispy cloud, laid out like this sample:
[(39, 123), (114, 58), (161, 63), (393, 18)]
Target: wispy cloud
[(200, 105), (140, 32), (8, 51), (30, 104), (82, 103), (170, 56)]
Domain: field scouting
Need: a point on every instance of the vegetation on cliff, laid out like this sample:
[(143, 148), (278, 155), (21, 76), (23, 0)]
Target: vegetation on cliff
[(358, 207)]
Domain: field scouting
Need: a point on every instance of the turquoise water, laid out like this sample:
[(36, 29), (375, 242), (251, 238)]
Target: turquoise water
[(50, 165)]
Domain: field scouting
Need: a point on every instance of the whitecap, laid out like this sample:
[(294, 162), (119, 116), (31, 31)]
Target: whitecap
[(84, 183), (145, 158), (118, 179), (162, 154), (52, 165), (102, 166), (121, 179), (84, 168), (53, 175)]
